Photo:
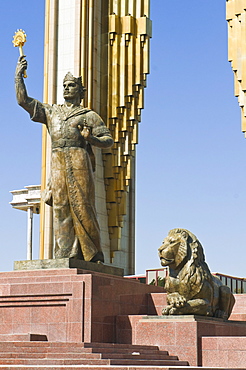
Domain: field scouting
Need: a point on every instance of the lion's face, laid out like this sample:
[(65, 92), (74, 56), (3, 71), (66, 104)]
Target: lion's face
[(174, 248)]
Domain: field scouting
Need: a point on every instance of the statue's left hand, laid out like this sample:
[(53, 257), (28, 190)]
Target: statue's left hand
[(86, 132)]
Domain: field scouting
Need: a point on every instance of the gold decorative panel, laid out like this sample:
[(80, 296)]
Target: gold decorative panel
[(236, 17), (128, 66)]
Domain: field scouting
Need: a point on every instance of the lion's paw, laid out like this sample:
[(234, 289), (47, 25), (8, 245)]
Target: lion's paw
[(166, 310), (173, 311), (176, 300)]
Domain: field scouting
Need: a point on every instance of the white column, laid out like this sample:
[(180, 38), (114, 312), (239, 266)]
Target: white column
[(29, 232)]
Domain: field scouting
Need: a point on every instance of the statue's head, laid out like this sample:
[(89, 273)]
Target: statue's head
[(72, 87)]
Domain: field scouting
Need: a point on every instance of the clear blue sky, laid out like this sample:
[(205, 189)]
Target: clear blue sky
[(191, 156)]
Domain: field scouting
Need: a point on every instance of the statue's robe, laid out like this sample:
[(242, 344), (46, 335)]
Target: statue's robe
[(75, 223)]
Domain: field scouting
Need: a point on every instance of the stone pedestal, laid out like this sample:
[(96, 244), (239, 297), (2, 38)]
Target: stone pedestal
[(67, 305), (181, 335), (68, 263)]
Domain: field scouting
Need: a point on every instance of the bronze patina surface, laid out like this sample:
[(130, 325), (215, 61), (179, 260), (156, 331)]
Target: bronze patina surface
[(190, 286), (73, 129)]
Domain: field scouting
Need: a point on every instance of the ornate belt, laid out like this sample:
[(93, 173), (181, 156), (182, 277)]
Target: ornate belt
[(67, 143)]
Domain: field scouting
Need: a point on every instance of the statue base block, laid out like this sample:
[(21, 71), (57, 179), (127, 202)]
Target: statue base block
[(68, 263), (182, 335), (67, 304)]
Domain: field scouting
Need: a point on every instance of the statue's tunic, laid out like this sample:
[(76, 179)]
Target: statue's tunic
[(76, 227)]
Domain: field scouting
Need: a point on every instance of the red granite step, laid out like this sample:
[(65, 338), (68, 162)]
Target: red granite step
[(106, 347), (57, 351), (131, 351), (45, 355), (84, 354), (139, 356), (77, 344), (146, 362), (81, 355), (92, 362), (119, 345), (56, 347), (53, 362), (44, 346), (33, 367), (22, 337)]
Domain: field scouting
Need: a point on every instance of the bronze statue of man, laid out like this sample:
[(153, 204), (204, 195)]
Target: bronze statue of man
[(73, 129)]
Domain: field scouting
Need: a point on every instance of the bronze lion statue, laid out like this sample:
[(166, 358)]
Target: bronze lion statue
[(190, 286)]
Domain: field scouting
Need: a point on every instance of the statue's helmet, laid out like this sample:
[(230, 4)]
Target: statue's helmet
[(78, 81)]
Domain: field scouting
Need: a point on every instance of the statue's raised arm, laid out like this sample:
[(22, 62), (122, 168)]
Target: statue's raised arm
[(21, 94)]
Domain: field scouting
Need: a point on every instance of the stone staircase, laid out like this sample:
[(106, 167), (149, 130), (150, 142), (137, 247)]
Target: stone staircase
[(79, 314), (91, 355)]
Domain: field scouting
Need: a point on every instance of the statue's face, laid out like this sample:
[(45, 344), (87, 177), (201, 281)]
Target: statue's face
[(70, 90)]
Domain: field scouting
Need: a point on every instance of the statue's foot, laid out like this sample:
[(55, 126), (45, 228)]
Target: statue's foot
[(98, 258)]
